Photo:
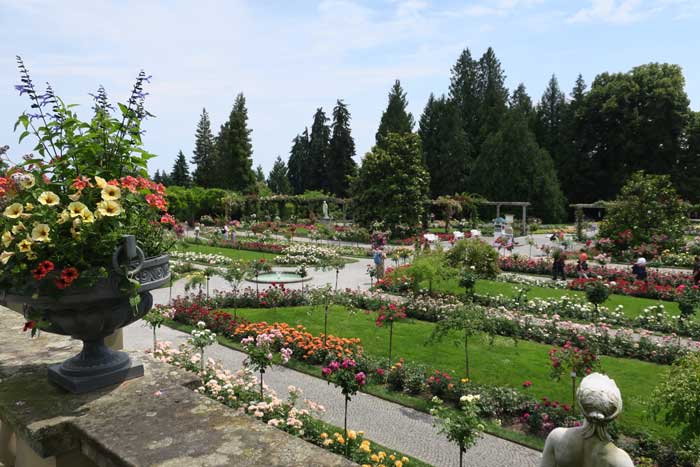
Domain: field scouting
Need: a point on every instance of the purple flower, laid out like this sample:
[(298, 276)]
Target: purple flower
[(334, 366), (360, 378), (326, 371)]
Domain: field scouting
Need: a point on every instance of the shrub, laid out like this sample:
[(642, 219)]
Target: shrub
[(679, 396), (475, 255)]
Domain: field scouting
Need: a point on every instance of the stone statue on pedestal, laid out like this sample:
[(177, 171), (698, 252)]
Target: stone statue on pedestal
[(325, 210), (589, 445)]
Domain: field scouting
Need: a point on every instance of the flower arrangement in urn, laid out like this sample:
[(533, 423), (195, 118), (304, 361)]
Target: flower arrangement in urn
[(83, 230)]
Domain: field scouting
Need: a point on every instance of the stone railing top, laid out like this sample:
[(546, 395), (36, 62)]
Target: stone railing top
[(155, 420)]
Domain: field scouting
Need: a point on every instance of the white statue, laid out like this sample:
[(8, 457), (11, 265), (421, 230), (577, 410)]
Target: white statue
[(325, 209), (589, 445)]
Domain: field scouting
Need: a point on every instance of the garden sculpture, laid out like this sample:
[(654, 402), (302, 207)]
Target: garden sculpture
[(589, 445)]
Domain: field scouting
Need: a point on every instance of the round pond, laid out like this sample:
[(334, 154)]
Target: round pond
[(279, 277)]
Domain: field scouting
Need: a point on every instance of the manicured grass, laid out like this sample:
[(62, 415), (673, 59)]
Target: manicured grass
[(633, 306), (506, 363), (228, 252)]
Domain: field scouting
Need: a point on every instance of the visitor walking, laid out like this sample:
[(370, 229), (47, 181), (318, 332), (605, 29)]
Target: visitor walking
[(639, 269), (379, 257), (696, 270), (559, 265), (582, 266), (196, 230)]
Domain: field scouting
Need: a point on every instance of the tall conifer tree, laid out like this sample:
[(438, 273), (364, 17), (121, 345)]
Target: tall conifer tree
[(204, 154), (341, 165), (318, 152), (278, 180), (234, 150), (395, 119), (493, 94), (298, 165), (180, 175)]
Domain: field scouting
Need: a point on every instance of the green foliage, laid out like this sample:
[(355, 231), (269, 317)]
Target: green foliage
[(395, 119), (234, 151), (204, 155), (446, 153), (180, 175), (428, 267), (461, 426), (649, 207), (512, 166), (317, 169), (298, 166), (341, 167), (278, 180), (476, 256), (190, 204), (678, 396), (461, 323), (597, 292), (392, 185)]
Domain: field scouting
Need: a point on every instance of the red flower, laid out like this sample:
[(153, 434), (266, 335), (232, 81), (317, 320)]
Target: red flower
[(527, 384), (61, 284), (68, 275), (29, 325)]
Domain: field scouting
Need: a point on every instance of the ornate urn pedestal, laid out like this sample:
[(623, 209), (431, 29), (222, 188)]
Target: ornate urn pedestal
[(92, 314)]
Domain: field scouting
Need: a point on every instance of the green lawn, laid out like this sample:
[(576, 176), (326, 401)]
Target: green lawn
[(504, 363), (633, 306), (228, 252)]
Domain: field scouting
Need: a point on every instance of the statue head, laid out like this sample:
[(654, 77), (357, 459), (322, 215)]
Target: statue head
[(600, 402)]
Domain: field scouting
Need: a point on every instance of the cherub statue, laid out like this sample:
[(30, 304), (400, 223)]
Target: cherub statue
[(589, 445)]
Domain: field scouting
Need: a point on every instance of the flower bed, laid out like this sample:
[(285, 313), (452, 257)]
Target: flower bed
[(300, 253), (203, 258)]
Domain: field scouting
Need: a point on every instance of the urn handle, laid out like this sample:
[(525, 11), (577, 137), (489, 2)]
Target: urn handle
[(131, 250)]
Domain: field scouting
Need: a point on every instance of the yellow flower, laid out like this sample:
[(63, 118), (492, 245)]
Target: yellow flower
[(27, 181), (75, 230), (25, 246), (86, 216), (374, 458), (100, 182), (64, 217), (28, 207), (398, 464), (7, 239), (109, 208), (464, 380), (40, 233), (382, 454), (48, 198), (111, 193), (327, 442), (324, 435), (352, 434), (366, 465), (404, 459), (18, 228), (340, 440), (13, 211), (5, 256), (75, 196), (392, 457), (75, 208)]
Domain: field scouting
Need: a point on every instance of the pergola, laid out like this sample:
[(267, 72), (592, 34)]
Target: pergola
[(498, 204)]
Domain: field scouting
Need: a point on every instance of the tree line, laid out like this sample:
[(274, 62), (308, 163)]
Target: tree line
[(484, 139)]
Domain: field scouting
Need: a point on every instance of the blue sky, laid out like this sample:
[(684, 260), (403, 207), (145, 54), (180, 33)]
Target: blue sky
[(290, 57)]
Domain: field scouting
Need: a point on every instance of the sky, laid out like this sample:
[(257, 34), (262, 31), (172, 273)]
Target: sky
[(289, 57)]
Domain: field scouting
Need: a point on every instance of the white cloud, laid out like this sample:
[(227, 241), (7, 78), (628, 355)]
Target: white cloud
[(613, 11)]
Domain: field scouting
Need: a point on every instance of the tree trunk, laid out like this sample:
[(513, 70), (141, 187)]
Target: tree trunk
[(345, 427), (262, 397), (466, 352), (154, 339), (325, 325), (391, 337)]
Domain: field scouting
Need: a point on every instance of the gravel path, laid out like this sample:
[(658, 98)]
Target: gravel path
[(392, 425)]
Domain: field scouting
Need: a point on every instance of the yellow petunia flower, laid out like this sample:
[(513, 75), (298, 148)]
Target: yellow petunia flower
[(64, 217), (404, 459), (75, 196), (109, 208), (111, 193), (7, 239), (398, 464), (374, 458), (49, 198), (40, 232), (352, 434), (28, 207), (27, 181), (5, 256), (75, 230), (25, 246), (324, 435), (75, 208), (100, 182), (86, 216), (13, 211), (18, 228)]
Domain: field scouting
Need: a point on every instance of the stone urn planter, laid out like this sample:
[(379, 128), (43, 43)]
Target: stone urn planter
[(91, 314)]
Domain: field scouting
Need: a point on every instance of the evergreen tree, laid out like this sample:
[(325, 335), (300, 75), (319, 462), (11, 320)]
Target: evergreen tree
[(465, 93), (520, 102), (180, 175), (318, 152), (395, 118), (492, 93), (512, 166), (340, 164), (298, 166), (574, 168), (204, 173), (549, 128), (234, 150), (157, 177), (392, 184), (445, 150), (278, 180), (259, 174)]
